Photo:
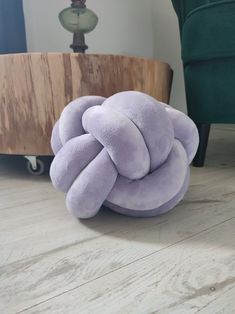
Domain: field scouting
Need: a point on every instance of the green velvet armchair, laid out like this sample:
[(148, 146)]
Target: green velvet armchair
[(207, 29)]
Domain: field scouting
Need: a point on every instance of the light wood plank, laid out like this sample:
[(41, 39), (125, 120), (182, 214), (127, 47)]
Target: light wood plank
[(222, 304), (70, 261), (45, 253), (40, 206), (181, 279)]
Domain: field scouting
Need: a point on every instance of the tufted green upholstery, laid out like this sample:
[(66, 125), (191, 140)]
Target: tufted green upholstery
[(208, 52)]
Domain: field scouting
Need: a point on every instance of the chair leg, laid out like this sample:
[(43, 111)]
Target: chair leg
[(204, 131)]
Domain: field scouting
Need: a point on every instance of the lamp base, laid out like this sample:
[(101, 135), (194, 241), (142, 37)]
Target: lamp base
[(79, 44)]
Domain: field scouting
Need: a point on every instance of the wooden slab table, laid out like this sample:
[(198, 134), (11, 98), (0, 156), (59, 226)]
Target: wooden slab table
[(35, 87)]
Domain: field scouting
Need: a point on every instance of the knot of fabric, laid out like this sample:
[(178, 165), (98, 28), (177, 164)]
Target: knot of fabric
[(128, 152)]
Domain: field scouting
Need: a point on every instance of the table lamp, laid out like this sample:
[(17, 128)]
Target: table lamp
[(78, 20)]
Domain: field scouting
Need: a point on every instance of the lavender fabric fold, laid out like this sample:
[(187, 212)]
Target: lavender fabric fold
[(129, 152)]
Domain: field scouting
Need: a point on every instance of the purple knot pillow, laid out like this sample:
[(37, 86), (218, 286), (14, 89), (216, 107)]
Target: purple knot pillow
[(128, 152)]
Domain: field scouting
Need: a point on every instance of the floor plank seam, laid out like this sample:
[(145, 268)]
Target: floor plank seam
[(126, 265), (67, 246), (214, 300), (61, 248), (26, 204)]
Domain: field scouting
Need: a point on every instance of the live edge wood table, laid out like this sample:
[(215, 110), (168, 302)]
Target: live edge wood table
[(35, 87)]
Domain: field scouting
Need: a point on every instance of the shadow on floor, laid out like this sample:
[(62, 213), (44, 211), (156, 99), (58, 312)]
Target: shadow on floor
[(221, 157)]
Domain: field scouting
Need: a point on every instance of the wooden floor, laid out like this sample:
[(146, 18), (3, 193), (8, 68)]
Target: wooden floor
[(181, 262)]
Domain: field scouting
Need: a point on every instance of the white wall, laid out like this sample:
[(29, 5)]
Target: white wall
[(167, 47), (143, 28), (124, 27)]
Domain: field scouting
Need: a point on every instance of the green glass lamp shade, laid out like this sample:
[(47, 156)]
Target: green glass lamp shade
[(78, 20)]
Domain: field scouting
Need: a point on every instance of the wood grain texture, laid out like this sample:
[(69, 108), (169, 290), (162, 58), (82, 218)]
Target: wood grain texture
[(175, 280), (181, 262), (34, 89)]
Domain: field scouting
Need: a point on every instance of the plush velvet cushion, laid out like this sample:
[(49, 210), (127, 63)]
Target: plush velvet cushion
[(129, 152)]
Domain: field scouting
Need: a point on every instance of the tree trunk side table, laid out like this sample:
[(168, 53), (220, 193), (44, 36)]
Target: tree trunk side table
[(35, 87)]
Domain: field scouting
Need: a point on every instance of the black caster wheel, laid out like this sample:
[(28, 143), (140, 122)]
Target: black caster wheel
[(36, 170)]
